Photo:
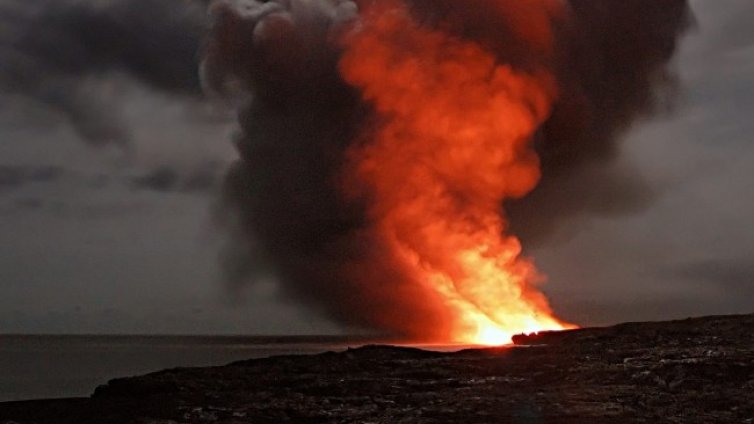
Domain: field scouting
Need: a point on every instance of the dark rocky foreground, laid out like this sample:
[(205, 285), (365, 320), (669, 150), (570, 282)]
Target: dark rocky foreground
[(692, 371)]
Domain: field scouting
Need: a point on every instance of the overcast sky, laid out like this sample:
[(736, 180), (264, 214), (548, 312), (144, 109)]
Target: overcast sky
[(109, 173)]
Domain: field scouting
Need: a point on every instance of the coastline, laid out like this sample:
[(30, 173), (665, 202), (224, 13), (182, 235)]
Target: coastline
[(692, 371)]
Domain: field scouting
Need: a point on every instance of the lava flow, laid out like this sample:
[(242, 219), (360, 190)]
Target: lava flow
[(451, 141)]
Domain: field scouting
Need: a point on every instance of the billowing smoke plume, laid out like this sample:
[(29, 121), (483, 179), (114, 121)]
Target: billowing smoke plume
[(307, 111), (613, 68)]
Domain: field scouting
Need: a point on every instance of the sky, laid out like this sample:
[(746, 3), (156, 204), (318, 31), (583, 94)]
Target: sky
[(111, 159)]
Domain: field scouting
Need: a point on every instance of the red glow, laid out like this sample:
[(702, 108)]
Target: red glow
[(453, 141)]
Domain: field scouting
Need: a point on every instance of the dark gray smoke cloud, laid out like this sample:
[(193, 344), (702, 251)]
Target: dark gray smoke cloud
[(298, 117), (297, 122), (51, 49), (614, 68)]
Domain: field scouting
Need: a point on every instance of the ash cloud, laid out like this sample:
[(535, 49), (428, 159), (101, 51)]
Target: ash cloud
[(297, 120), (614, 68), (283, 198), (50, 50)]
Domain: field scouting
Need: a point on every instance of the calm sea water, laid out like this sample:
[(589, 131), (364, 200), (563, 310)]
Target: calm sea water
[(34, 367)]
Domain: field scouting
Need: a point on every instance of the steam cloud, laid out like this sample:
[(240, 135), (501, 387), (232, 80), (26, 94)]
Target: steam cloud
[(298, 117)]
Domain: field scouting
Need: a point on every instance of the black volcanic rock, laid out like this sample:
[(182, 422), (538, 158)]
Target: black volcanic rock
[(692, 371)]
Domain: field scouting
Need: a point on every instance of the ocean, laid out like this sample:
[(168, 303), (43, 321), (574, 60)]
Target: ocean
[(42, 367)]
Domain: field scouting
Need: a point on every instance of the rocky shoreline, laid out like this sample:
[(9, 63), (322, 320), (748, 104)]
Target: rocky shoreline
[(691, 371)]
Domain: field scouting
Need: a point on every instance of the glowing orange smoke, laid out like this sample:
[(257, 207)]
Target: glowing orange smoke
[(452, 141)]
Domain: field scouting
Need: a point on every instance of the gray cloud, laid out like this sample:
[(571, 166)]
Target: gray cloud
[(168, 179), (50, 50), (727, 274), (12, 177), (121, 75)]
